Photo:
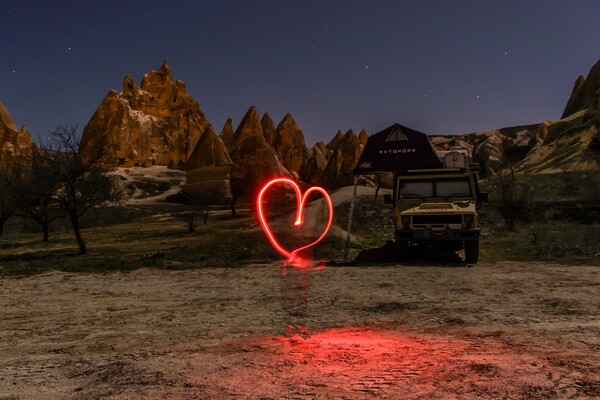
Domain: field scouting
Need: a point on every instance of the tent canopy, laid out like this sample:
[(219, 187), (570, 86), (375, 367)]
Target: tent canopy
[(397, 148)]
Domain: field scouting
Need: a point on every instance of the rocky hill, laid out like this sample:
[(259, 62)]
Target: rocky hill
[(573, 142)]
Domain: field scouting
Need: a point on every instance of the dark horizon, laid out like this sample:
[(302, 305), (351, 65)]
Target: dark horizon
[(439, 67)]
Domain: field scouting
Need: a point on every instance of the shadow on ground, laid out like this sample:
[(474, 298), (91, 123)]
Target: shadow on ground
[(417, 256)]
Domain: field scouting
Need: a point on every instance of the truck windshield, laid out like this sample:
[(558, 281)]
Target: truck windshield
[(416, 189), (452, 188), (439, 187)]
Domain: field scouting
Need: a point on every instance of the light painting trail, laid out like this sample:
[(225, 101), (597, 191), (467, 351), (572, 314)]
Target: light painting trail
[(291, 256)]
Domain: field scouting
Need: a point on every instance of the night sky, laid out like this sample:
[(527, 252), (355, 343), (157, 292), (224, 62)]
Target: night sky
[(442, 67)]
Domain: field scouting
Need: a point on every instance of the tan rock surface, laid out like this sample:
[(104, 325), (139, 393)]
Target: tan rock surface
[(6, 120), (346, 151), (210, 151), (226, 134), (268, 129), (363, 136), (497, 148), (254, 160), (158, 123), (289, 144), (334, 142), (585, 90), (316, 162), (208, 168), (12, 140)]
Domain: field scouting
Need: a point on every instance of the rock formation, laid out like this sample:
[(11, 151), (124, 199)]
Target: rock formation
[(227, 133), (334, 142), (268, 128), (494, 149), (7, 123), (346, 150), (585, 92), (254, 160), (573, 142), (157, 123), (289, 144), (363, 136), (207, 170), (316, 161), (12, 140)]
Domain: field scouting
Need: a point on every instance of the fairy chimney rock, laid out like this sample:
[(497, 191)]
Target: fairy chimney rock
[(314, 167), (363, 136), (333, 143), (207, 170), (209, 152), (289, 143), (254, 160), (268, 128), (227, 133)]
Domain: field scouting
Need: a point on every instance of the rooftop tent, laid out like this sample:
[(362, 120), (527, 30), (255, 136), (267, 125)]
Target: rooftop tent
[(394, 149), (397, 148)]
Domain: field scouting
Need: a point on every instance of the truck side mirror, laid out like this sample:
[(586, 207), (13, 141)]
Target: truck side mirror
[(387, 199)]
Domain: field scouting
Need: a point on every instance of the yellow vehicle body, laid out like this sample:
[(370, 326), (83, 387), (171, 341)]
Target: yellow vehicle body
[(437, 207)]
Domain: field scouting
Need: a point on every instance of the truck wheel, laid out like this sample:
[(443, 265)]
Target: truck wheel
[(472, 251)]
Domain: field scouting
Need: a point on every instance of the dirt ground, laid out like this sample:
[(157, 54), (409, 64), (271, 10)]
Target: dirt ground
[(502, 330)]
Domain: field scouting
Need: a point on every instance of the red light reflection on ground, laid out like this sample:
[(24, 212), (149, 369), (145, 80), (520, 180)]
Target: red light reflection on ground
[(292, 258), (363, 362)]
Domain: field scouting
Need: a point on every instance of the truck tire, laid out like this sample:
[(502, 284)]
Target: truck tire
[(472, 251)]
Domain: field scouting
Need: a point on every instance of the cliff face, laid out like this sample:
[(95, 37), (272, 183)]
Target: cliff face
[(157, 123)]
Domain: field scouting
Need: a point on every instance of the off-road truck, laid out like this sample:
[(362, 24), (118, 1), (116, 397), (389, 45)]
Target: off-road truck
[(437, 207)]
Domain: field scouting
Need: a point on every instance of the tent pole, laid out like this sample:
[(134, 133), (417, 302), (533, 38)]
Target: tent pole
[(352, 203)]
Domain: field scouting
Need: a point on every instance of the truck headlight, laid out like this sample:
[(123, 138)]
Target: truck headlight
[(405, 219)]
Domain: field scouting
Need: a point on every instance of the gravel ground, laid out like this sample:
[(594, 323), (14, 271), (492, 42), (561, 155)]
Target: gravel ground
[(501, 330)]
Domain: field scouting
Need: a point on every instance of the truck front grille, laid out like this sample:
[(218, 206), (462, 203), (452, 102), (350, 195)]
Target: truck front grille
[(437, 219)]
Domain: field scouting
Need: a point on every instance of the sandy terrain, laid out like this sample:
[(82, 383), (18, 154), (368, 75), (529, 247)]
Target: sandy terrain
[(503, 330)]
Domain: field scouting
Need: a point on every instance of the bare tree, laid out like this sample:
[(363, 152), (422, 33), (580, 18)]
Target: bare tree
[(35, 185), (9, 202), (512, 196), (190, 217), (83, 180), (240, 188)]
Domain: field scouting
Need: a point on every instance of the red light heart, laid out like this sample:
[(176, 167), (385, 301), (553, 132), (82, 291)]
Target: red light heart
[(300, 203)]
